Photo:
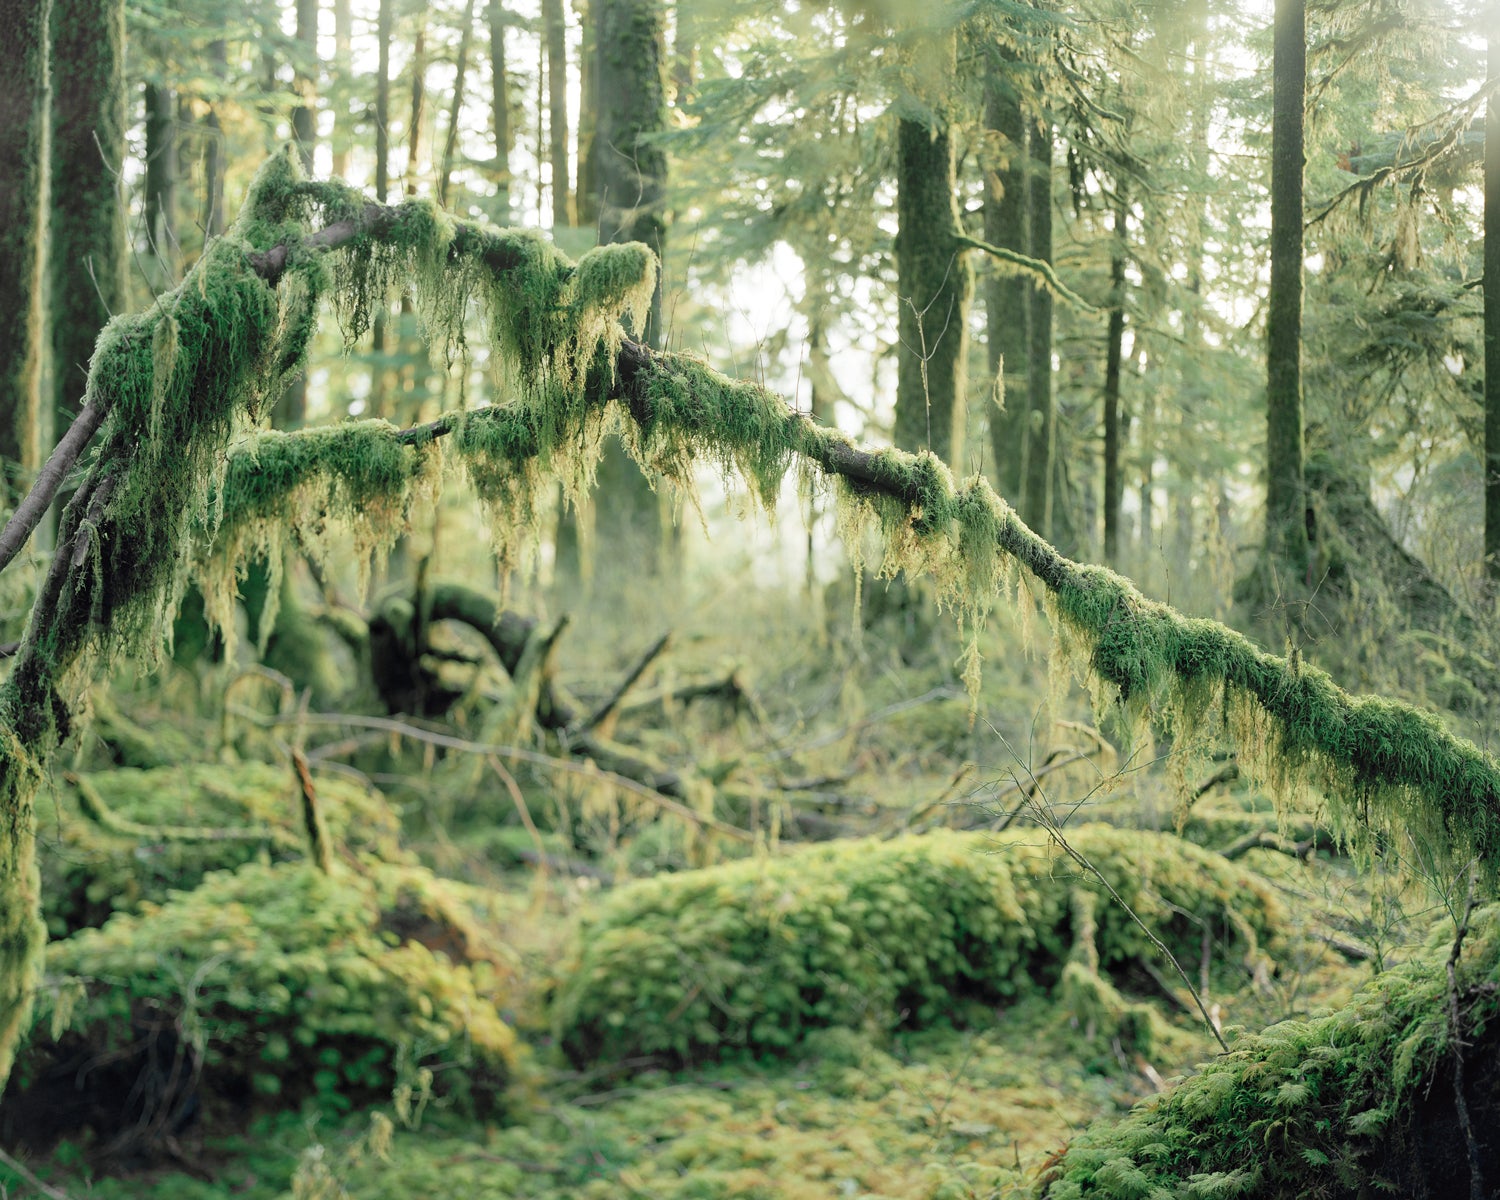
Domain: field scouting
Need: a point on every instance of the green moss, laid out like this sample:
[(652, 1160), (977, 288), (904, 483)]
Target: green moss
[(1309, 1107), (323, 980), (123, 838), (754, 955), (347, 489)]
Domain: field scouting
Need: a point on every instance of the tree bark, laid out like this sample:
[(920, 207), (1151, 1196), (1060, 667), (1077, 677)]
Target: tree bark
[(500, 104), (450, 146), (161, 173), (343, 129), (632, 176), (23, 113), (1113, 354), (1286, 518), (304, 116), (86, 230), (1041, 411), (935, 285), (1007, 312), (554, 20), (213, 152), (1492, 325), (418, 104), (587, 193)]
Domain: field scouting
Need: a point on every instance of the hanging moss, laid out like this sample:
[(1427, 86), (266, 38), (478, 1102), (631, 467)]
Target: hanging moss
[(340, 488)]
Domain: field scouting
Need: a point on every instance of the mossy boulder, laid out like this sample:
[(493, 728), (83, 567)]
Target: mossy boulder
[(1358, 1103), (113, 840), (273, 981), (752, 956)]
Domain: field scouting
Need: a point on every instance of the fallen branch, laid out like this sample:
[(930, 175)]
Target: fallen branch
[(603, 718)]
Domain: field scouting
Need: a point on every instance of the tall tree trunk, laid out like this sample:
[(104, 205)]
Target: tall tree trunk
[(450, 146), (161, 174), (23, 164), (935, 285), (291, 409), (1113, 354), (213, 151), (1286, 519), (686, 19), (632, 178), (86, 232), (418, 104), (553, 18), (1007, 311), (587, 192), (304, 116), (383, 21), (343, 128), (500, 104), (1041, 414), (1492, 324)]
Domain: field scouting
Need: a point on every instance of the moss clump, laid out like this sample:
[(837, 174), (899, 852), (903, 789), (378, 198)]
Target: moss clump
[(121, 838), (1324, 1107), (347, 489), (753, 956), (277, 977)]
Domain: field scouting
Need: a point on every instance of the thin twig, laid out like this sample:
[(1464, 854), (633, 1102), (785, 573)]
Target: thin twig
[(14, 1164), (608, 710), (49, 481)]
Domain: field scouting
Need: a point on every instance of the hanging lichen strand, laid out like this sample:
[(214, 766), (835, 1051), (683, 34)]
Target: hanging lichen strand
[(1378, 763), (178, 380)]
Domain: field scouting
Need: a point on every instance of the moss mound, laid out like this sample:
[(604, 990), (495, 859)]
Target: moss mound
[(112, 840), (753, 956), (1355, 1104), (265, 981)]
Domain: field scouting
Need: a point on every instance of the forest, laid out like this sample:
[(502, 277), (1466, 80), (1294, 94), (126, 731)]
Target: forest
[(706, 599)]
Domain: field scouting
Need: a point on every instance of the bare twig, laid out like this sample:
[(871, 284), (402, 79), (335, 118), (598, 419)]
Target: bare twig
[(49, 481), (13, 1164), (603, 718)]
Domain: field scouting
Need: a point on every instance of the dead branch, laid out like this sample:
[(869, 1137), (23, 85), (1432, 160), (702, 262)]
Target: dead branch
[(603, 718)]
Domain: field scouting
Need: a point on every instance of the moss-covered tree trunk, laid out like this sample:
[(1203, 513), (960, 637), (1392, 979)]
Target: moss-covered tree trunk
[(1492, 322), (1113, 354), (499, 19), (1041, 411), (1286, 519), (1007, 312), (935, 287), (291, 409), (86, 236), (631, 177), (587, 192), (556, 26), (23, 111), (212, 218)]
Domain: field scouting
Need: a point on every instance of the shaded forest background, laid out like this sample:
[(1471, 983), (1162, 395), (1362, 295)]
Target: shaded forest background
[(415, 823)]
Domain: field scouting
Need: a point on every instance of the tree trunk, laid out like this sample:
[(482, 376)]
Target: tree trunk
[(291, 409), (557, 111), (450, 146), (500, 104), (935, 285), (632, 176), (383, 21), (23, 119), (304, 116), (1041, 414), (418, 103), (1006, 309), (343, 131), (213, 152), (86, 232), (1286, 519), (161, 173), (1113, 353), (1492, 326), (587, 193)]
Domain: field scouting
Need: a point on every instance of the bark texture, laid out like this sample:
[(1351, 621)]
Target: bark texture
[(1007, 312), (1041, 410), (86, 237), (935, 285), (1492, 326), (1286, 518), (23, 110)]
